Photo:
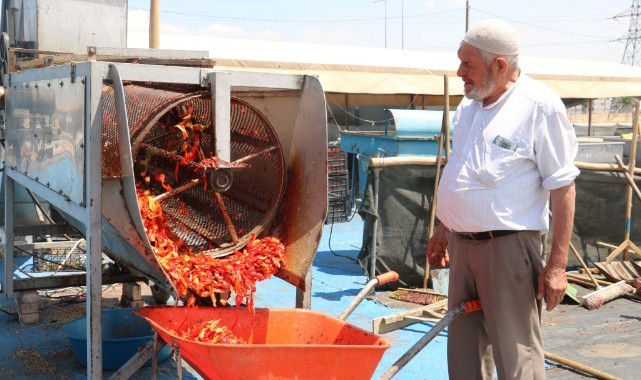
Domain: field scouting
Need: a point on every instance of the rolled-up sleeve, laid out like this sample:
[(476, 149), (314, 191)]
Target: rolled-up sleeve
[(556, 147)]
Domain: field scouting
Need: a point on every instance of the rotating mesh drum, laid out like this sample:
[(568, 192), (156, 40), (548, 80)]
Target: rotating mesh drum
[(168, 160)]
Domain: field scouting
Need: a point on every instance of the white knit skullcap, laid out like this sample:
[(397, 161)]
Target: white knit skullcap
[(493, 36)]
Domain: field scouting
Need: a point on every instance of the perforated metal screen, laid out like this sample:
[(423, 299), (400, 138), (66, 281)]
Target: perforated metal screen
[(205, 220)]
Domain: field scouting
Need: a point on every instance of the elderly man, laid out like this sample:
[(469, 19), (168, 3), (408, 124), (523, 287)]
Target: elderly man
[(512, 160)]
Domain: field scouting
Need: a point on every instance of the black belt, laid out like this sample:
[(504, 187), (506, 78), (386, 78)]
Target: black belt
[(486, 234)]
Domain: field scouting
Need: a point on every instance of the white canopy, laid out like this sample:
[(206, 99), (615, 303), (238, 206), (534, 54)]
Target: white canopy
[(361, 70)]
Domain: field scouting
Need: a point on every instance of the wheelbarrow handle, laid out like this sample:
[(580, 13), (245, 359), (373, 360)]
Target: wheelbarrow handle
[(464, 308), (385, 278), (472, 306), (376, 281)]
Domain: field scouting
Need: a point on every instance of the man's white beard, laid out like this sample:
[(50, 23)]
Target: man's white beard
[(482, 90)]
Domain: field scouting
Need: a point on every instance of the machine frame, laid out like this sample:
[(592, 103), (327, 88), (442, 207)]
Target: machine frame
[(304, 147)]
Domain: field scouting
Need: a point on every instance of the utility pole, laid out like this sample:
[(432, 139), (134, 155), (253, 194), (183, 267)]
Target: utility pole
[(154, 24), (402, 24), (467, 15), (384, 1), (385, 23)]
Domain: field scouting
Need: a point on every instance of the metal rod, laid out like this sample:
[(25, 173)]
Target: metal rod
[(177, 190), (372, 260), (425, 339), (251, 156), (179, 362), (378, 280), (154, 358), (67, 256), (39, 206), (358, 299), (228, 222), (590, 117), (7, 288)]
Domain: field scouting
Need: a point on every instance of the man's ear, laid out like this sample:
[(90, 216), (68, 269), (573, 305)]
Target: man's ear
[(502, 66)]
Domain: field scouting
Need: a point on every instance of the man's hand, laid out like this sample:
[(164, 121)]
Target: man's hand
[(437, 248), (552, 285), (552, 280)]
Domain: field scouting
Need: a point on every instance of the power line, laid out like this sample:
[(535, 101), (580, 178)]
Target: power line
[(541, 27), (301, 20)]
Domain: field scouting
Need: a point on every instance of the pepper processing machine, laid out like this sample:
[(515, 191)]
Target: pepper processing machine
[(79, 128)]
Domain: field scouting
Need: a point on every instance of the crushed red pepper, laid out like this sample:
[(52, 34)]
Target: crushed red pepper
[(210, 332), (198, 273)]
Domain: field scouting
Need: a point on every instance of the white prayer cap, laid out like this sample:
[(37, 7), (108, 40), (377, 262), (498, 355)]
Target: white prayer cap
[(493, 36)]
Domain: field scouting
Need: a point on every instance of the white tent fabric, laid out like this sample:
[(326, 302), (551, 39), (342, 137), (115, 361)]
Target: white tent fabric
[(361, 70)]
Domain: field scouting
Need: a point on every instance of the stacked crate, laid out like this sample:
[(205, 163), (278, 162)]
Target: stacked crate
[(338, 186)]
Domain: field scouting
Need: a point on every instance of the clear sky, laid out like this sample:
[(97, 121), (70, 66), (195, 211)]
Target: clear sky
[(581, 29)]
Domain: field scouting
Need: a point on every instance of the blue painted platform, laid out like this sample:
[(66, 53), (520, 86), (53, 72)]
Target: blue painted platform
[(336, 279)]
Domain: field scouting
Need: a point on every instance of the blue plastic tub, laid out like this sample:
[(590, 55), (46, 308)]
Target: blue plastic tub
[(123, 335)]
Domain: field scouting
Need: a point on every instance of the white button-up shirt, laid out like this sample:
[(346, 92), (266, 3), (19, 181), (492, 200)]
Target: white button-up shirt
[(505, 159)]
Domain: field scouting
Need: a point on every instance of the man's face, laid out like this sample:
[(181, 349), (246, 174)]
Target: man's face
[(479, 80)]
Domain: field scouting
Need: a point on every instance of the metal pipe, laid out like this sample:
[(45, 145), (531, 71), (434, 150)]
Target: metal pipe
[(590, 117), (179, 362), (154, 357), (177, 190), (465, 307), (372, 262), (7, 289)]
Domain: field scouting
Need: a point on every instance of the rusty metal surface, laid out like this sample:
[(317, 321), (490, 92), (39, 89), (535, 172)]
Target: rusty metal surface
[(305, 205)]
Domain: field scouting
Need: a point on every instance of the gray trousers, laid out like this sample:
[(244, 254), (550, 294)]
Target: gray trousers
[(503, 273)]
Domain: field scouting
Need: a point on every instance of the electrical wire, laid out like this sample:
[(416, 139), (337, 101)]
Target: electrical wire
[(329, 243), (7, 312), (539, 26), (303, 20), (372, 122)]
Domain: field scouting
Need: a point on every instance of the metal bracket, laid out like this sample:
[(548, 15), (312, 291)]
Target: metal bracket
[(72, 73)]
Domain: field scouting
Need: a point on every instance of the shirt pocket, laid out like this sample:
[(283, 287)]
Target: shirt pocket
[(496, 163)]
